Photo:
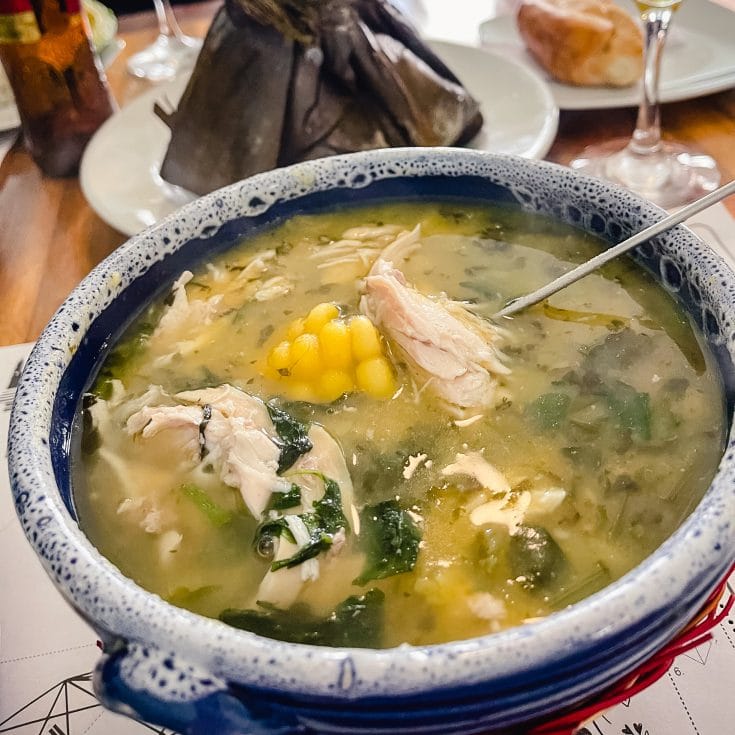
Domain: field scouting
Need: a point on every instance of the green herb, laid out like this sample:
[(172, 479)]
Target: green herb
[(322, 524), (292, 435), (391, 541), (284, 501), (274, 528), (492, 547), (549, 410), (217, 516), (622, 349), (328, 509), (265, 334), (355, 622), (205, 379), (630, 409), (535, 556), (483, 290)]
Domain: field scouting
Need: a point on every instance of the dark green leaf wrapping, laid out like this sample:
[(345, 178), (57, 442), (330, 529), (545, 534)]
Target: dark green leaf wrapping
[(391, 539), (278, 82), (293, 436), (355, 622)]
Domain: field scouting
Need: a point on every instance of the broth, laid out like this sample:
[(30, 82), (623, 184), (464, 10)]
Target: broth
[(416, 516)]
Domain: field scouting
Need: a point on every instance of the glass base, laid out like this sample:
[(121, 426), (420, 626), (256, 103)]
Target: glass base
[(165, 58), (670, 176)]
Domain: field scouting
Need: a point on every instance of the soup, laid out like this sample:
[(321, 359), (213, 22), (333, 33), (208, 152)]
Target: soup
[(322, 436)]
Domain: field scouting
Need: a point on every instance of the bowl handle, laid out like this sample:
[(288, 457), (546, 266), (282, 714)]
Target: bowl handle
[(145, 683)]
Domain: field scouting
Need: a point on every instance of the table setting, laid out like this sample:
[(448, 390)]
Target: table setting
[(249, 122)]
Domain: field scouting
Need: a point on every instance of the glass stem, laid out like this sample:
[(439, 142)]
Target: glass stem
[(647, 134), (167, 25)]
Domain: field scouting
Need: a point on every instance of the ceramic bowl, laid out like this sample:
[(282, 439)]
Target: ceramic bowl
[(196, 675)]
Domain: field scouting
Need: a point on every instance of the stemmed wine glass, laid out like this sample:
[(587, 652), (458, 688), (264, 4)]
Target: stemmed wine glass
[(171, 53), (667, 173)]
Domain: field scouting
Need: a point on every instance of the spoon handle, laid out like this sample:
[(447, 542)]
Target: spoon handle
[(582, 270)]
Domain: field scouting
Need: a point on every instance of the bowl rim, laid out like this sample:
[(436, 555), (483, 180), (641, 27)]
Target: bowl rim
[(687, 565)]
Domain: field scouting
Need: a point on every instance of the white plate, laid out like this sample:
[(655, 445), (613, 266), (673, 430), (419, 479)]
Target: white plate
[(699, 58), (119, 174)]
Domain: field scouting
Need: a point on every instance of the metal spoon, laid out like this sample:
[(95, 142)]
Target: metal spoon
[(582, 270)]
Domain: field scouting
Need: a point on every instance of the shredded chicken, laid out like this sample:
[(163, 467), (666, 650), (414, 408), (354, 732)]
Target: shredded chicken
[(273, 288), (508, 509), (233, 427), (446, 346), (352, 256), (182, 312), (475, 465), (235, 431), (256, 267)]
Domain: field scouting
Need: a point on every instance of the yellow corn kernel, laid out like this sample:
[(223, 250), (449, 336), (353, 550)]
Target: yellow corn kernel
[(295, 329), (333, 383), (279, 357), (319, 316), (336, 344), (375, 377), (298, 391), (365, 338), (306, 362)]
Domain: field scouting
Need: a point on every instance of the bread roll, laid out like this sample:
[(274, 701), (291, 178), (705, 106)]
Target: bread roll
[(583, 42)]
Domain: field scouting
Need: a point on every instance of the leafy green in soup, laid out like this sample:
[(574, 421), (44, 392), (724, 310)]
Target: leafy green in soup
[(322, 435)]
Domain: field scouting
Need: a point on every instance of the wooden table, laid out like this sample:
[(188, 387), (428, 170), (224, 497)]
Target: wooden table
[(50, 238)]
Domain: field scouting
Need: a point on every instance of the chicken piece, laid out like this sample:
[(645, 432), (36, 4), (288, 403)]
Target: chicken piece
[(150, 420), (231, 402), (237, 434), (445, 346), (182, 313), (248, 459), (509, 509), (475, 465), (352, 256), (234, 429)]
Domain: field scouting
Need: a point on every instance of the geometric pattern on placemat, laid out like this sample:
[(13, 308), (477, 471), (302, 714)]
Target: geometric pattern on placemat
[(67, 708)]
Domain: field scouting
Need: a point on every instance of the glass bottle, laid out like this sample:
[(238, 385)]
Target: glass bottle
[(60, 89)]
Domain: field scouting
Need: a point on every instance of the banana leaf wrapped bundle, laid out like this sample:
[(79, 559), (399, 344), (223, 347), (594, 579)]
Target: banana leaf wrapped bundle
[(281, 81)]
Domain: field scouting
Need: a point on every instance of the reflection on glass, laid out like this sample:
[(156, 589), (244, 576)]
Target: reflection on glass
[(667, 173), (171, 53)]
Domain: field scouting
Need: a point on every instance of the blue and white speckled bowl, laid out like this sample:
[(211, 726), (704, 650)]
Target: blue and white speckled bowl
[(197, 675)]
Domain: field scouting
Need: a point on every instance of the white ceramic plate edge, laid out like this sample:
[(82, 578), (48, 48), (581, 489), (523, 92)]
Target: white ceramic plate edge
[(700, 46)]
